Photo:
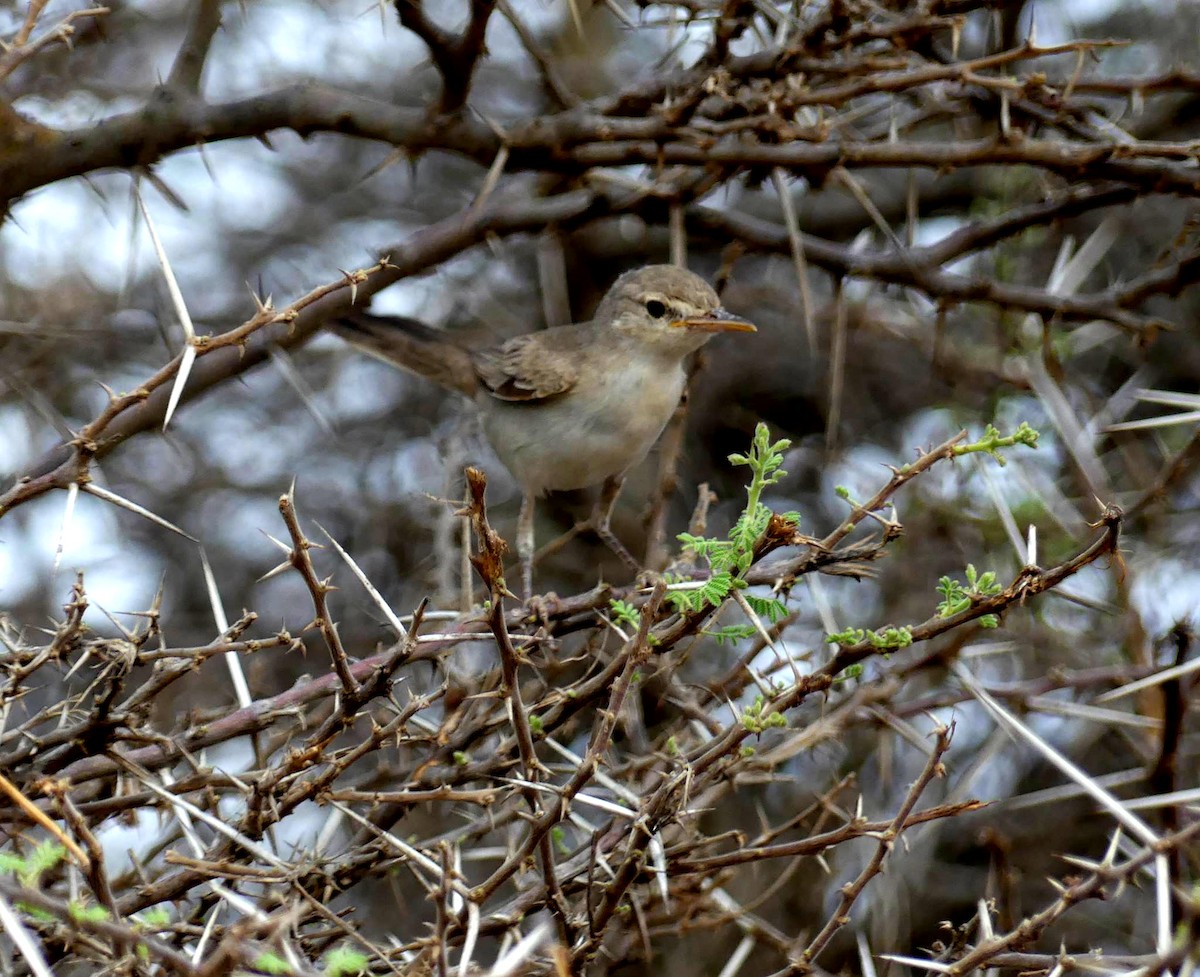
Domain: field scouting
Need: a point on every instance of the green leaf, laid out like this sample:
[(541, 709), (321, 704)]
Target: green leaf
[(345, 962), (272, 963), (851, 636), (155, 918), (11, 864), (717, 587), (729, 559), (625, 613), (733, 633), (956, 598), (36, 913), (850, 672), (992, 441), (89, 914), (771, 608)]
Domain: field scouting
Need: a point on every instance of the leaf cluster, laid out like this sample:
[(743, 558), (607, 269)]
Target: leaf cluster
[(958, 597), (992, 441), (729, 559)]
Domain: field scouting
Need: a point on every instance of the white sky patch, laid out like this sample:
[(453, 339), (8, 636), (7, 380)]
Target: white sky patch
[(237, 446), (274, 43), (77, 109), (1166, 591), (862, 470), (119, 839), (16, 438), (18, 579), (35, 243), (244, 192), (117, 576), (237, 520), (362, 385)]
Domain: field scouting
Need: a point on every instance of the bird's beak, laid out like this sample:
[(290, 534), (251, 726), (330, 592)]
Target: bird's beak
[(719, 320)]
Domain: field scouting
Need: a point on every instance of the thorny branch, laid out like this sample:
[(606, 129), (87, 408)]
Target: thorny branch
[(454, 55), (654, 805), (583, 777)]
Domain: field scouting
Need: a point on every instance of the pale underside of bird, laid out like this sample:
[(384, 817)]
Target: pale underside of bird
[(572, 406)]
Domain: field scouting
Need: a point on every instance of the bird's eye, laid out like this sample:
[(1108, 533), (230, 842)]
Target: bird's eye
[(656, 309)]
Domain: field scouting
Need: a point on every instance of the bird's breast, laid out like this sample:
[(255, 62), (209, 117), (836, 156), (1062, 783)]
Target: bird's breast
[(605, 424)]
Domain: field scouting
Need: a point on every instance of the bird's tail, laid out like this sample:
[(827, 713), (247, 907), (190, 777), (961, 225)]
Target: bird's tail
[(410, 344)]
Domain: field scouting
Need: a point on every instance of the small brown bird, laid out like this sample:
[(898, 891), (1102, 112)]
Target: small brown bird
[(576, 405)]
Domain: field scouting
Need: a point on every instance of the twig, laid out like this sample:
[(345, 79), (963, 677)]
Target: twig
[(318, 590), (455, 55)]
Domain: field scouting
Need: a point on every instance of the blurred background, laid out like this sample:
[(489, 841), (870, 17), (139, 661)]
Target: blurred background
[(881, 370)]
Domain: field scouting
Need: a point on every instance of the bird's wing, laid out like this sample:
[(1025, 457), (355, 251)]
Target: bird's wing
[(534, 367)]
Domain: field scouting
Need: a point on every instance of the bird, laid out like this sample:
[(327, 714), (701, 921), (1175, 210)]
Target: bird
[(572, 406)]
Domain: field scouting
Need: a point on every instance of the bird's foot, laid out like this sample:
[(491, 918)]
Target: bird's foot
[(602, 521), (610, 540), (646, 579), (539, 610), (526, 577)]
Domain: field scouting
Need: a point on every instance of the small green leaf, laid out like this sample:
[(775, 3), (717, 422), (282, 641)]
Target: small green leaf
[(851, 636), (155, 918), (89, 914), (848, 673), (345, 962), (272, 963), (729, 559), (625, 613), (36, 912), (732, 633), (992, 441), (771, 608)]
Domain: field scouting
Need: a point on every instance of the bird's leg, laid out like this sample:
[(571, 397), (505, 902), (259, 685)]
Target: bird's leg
[(525, 544), (602, 516)]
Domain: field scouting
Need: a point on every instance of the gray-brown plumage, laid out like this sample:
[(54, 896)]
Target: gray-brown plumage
[(575, 405)]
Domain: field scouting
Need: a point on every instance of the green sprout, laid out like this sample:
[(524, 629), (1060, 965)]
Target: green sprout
[(884, 639), (755, 722), (272, 963), (729, 559), (625, 613), (156, 918), (344, 962), (733, 633), (29, 869), (957, 597), (848, 673), (773, 609), (992, 441), (88, 914)]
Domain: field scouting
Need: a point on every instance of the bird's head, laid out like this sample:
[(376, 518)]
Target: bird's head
[(668, 307)]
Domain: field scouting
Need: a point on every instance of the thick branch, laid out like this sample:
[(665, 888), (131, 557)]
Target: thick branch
[(455, 55)]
